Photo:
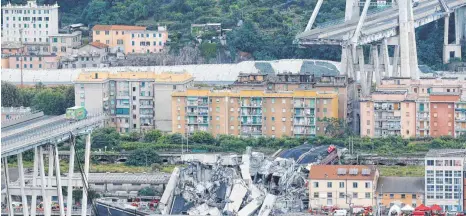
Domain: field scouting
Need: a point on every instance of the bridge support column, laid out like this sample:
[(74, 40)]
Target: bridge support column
[(395, 69), (7, 183), (453, 50), (87, 154), (413, 64), (34, 182), (58, 177), (24, 199), (45, 197), (70, 179), (376, 63), (385, 58), (50, 176), (365, 89)]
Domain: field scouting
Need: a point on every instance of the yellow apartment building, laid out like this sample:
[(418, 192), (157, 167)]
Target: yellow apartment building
[(130, 39), (340, 185), (410, 192), (252, 112)]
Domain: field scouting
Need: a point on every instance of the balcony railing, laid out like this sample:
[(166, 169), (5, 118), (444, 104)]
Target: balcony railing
[(253, 104), (251, 122)]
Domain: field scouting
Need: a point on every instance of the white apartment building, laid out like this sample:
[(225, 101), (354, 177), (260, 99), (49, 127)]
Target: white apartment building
[(136, 101), (30, 23), (444, 178)]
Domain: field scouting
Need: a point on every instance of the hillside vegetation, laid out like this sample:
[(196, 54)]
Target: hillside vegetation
[(268, 30)]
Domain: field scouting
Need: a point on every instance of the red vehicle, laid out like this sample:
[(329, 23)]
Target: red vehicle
[(331, 148)]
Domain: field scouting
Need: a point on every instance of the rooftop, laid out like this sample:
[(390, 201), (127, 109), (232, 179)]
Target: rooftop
[(11, 45), (252, 93), (98, 45), (157, 77), (72, 34), (347, 172), (446, 153), (117, 27), (400, 185), (444, 93)]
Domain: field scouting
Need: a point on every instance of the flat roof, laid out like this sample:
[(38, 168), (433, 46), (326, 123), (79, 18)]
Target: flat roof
[(446, 153), (199, 92), (162, 77)]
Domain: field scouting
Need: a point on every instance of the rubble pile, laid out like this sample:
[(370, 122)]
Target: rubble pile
[(248, 184)]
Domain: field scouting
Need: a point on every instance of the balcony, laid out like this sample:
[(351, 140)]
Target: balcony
[(460, 109), (388, 118), (460, 119), (251, 113), (197, 121), (145, 106), (253, 104), (303, 123), (251, 122)]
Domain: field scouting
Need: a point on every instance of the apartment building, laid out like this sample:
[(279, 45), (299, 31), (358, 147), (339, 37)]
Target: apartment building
[(345, 87), (130, 39), (444, 178), (91, 55), (136, 101), (63, 44), (253, 112), (32, 62), (405, 190), (439, 108), (30, 23), (342, 185)]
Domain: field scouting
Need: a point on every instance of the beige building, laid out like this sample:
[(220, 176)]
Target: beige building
[(63, 44), (340, 185), (136, 101), (130, 39), (253, 112)]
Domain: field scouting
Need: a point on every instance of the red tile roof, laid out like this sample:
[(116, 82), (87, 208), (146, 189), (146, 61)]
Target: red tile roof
[(117, 27), (330, 172), (98, 44)]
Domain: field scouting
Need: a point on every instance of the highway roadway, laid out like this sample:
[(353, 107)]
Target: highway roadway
[(383, 21), (44, 130)]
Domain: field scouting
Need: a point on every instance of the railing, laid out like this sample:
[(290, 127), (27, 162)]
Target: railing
[(257, 104), (251, 122), (34, 125), (50, 133)]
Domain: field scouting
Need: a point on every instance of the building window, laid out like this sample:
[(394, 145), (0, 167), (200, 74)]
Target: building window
[(329, 184), (368, 131), (107, 32), (316, 184), (430, 162), (329, 195), (316, 194), (342, 195), (40, 65), (368, 195), (403, 196), (342, 184), (355, 185), (107, 41), (355, 195), (368, 122), (368, 184)]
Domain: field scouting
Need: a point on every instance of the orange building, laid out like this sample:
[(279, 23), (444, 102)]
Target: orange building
[(442, 106), (130, 39), (253, 112), (405, 190)]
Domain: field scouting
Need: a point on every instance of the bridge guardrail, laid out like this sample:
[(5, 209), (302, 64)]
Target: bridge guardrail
[(14, 144), (53, 119)]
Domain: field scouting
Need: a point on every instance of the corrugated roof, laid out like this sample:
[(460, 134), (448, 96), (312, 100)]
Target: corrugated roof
[(330, 172), (162, 77), (117, 27), (400, 185)]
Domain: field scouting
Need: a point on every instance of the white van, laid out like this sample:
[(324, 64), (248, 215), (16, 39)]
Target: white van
[(340, 212)]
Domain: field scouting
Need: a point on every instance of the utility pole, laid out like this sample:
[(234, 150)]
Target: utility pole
[(21, 53)]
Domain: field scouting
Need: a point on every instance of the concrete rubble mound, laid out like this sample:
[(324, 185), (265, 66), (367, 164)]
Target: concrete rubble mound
[(248, 184)]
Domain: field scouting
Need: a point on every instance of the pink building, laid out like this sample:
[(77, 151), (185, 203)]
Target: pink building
[(428, 107), (33, 62)]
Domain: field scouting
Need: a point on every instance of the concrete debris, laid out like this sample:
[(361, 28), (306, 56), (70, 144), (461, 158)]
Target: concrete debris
[(245, 185)]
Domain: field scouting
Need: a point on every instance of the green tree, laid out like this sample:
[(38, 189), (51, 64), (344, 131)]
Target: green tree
[(50, 101), (105, 137), (202, 137), (10, 95), (152, 136), (143, 157)]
